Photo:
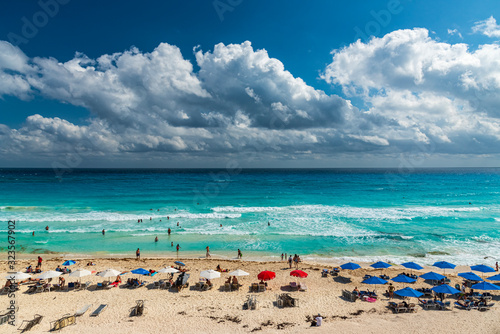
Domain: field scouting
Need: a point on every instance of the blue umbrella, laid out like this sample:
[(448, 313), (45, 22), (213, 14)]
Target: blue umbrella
[(444, 265), (485, 286), (482, 268), (140, 271), (432, 276), (408, 292), (68, 263), (412, 265), (403, 279), (470, 276), (380, 265), (445, 288), (494, 278), (179, 263), (350, 266), (374, 280)]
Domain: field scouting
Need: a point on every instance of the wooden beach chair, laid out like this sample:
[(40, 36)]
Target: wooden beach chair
[(262, 287), (98, 310), (235, 287), (254, 287), (138, 309), (250, 303), (66, 320), (4, 317), (27, 325)]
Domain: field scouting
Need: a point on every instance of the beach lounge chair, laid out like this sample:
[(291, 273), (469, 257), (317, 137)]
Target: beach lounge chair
[(250, 303), (254, 287), (156, 285), (98, 310), (66, 320), (4, 317), (27, 325), (412, 307), (138, 309), (302, 287), (235, 287), (468, 308), (347, 295), (324, 273), (262, 287), (83, 310), (227, 287)]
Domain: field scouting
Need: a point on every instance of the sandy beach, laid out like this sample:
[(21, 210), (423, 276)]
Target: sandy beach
[(193, 311)]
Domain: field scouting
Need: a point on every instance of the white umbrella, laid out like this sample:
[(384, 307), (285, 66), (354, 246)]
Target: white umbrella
[(210, 274), (80, 273), (239, 272), (109, 273), (17, 276), (49, 274), (168, 270)]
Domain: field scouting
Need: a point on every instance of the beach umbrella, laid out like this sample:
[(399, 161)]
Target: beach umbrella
[(380, 265), (432, 276), (444, 265), (180, 263), (168, 270), (210, 274), (470, 276), (68, 263), (140, 271), (49, 274), (80, 273), (239, 272), (408, 292), (482, 268), (374, 280), (109, 273), (403, 279), (298, 273), (445, 288), (350, 266), (266, 275), (485, 286), (412, 265), (494, 278), (17, 276)]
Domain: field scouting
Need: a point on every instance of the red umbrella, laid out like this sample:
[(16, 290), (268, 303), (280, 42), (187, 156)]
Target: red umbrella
[(298, 273), (266, 275)]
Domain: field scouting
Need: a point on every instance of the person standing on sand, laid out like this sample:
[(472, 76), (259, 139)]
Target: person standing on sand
[(290, 261), (281, 256), (39, 262), (138, 254), (391, 291), (496, 263), (239, 254), (208, 252)]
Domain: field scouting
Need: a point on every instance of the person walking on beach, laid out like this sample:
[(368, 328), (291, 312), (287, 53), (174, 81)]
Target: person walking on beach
[(208, 252), (239, 254), (281, 256), (39, 262), (138, 254), (290, 261)]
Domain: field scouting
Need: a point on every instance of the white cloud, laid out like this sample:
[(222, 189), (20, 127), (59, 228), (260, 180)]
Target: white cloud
[(488, 27), (455, 32)]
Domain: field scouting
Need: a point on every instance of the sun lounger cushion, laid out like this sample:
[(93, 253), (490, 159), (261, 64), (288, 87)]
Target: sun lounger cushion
[(99, 310)]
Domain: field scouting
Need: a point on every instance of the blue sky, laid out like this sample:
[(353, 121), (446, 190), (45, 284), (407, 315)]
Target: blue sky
[(360, 120)]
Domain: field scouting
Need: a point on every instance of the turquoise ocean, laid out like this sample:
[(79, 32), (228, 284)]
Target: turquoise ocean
[(324, 214)]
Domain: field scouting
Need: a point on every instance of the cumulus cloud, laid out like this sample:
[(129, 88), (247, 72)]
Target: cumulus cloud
[(437, 94), (488, 27), (414, 90), (455, 32)]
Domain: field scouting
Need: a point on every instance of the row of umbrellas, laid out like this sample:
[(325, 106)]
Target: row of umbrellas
[(412, 265)]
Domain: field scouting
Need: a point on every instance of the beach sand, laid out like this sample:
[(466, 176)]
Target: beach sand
[(214, 311)]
